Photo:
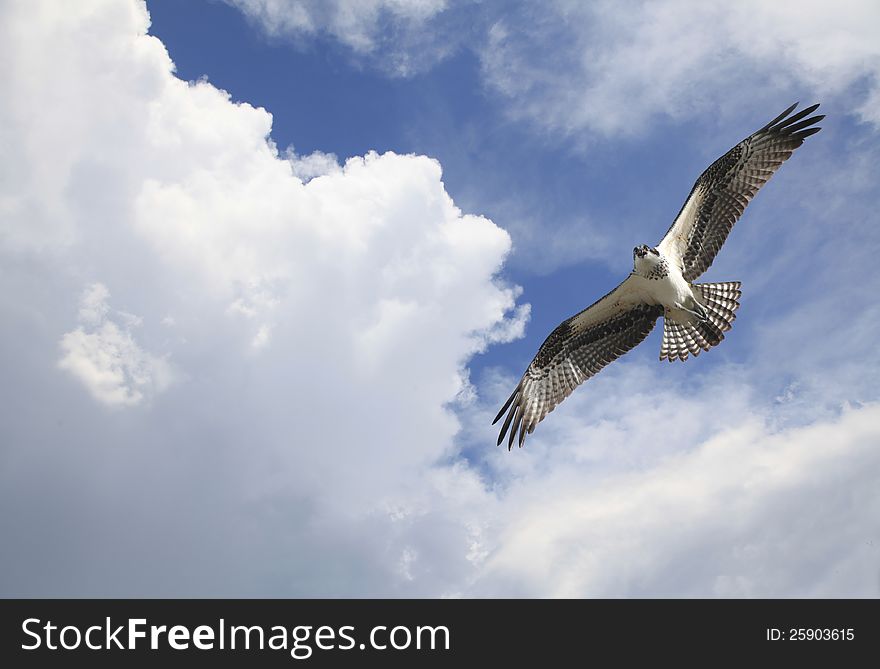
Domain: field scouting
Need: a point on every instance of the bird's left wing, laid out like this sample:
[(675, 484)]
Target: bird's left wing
[(722, 192), (576, 350)]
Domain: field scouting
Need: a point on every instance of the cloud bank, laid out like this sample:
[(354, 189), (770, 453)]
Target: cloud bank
[(322, 327)]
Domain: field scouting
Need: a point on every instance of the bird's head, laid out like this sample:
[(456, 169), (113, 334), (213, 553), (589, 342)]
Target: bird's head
[(643, 250), (645, 257)]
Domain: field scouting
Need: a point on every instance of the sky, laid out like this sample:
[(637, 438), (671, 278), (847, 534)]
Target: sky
[(268, 269)]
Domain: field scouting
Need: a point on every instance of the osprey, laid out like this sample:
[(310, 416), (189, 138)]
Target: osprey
[(695, 316)]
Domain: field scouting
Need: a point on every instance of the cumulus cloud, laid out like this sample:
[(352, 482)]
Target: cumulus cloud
[(320, 329), (105, 357)]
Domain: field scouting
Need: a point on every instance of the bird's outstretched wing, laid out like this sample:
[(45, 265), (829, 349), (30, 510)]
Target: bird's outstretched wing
[(576, 350), (722, 192)]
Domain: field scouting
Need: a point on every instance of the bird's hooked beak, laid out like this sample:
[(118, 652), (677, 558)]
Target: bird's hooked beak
[(640, 251)]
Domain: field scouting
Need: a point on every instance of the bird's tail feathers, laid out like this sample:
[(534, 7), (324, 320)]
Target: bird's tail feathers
[(682, 339)]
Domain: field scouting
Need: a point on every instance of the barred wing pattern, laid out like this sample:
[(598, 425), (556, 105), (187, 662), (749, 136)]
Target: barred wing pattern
[(722, 192), (576, 350)]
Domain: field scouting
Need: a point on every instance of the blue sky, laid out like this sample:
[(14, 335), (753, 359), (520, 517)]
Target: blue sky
[(268, 368)]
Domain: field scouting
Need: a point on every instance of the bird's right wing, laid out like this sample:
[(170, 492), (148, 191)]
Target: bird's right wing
[(722, 192), (576, 350)]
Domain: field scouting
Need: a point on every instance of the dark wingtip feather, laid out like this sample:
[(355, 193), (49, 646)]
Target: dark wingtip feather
[(803, 134), (506, 423), (506, 404), (780, 117), (796, 117), (517, 419), (803, 124), (786, 122)]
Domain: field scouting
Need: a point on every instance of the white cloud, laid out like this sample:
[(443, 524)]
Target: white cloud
[(741, 511), (105, 357), (319, 330), (315, 164), (613, 69), (362, 26), (357, 24)]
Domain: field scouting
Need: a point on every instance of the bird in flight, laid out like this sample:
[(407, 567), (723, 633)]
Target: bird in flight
[(695, 315)]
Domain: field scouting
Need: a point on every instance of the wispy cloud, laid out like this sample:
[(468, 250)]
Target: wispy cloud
[(619, 68), (610, 69), (398, 36)]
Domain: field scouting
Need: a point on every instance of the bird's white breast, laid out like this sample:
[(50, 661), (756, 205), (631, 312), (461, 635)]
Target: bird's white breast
[(669, 290)]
